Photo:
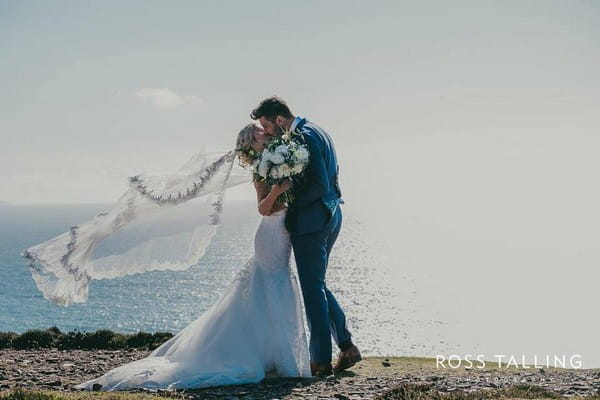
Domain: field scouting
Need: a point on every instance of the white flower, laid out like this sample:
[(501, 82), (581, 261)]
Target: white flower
[(275, 173), (266, 155), (298, 168), (263, 167), (284, 170), (277, 158), (282, 149), (301, 154)]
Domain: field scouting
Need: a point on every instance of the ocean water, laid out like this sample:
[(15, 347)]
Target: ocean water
[(410, 299), (378, 309)]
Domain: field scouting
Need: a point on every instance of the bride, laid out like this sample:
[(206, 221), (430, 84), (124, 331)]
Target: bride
[(256, 327)]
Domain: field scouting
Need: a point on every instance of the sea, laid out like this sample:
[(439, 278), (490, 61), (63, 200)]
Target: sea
[(391, 310)]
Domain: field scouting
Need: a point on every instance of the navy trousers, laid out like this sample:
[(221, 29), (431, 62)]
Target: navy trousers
[(324, 314)]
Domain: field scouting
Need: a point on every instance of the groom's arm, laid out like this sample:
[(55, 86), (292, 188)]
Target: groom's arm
[(317, 182)]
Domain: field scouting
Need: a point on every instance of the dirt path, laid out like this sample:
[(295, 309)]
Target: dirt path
[(60, 370)]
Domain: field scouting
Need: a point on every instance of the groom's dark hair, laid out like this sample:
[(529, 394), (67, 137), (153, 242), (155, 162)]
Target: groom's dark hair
[(270, 108)]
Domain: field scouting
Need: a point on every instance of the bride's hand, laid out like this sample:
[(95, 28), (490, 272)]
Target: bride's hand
[(278, 189)]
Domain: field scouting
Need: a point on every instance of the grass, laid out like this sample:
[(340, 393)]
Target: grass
[(26, 394), (404, 365), (402, 392), (426, 392)]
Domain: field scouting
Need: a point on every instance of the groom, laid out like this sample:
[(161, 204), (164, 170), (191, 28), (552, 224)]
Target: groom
[(314, 220)]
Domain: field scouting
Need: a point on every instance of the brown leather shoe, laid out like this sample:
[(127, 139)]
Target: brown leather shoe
[(347, 359), (321, 370)]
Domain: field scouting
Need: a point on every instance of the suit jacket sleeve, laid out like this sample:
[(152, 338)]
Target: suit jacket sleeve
[(317, 182)]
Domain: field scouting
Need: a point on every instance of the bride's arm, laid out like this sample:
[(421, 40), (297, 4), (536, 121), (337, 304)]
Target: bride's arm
[(266, 199)]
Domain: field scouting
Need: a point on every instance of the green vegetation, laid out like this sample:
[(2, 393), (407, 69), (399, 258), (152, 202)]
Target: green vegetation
[(402, 392), (427, 392), (103, 339), (22, 394)]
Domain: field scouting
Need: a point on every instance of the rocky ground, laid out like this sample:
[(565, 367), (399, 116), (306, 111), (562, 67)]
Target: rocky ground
[(60, 370)]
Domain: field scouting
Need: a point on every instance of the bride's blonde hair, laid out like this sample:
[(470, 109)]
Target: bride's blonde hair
[(244, 143)]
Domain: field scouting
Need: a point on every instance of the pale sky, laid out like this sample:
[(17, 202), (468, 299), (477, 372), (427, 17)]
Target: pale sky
[(95, 91), (467, 131)]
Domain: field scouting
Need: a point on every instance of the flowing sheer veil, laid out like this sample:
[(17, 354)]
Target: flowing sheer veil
[(162, 222)]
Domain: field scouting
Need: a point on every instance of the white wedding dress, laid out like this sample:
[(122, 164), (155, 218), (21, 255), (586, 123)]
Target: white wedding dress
[(256, 328)]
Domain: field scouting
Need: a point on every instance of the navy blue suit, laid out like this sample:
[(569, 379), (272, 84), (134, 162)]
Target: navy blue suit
[(314, 220)]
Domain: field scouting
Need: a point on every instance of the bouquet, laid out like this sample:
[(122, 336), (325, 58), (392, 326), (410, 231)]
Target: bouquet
[(282, 159)]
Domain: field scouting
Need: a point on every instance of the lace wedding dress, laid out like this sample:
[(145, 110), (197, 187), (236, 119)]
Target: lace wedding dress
[(254, 329), (165, 221)]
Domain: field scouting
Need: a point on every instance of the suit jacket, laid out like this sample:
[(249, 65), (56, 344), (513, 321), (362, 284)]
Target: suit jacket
[(316, 199)]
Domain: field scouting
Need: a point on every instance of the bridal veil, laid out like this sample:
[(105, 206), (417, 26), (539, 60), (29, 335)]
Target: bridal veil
[(162, 222)]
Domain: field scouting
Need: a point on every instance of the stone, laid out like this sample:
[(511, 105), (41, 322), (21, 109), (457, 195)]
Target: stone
[(357, 385)]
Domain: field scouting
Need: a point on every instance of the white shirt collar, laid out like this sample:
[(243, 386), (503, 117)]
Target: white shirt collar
[(295, 123)]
